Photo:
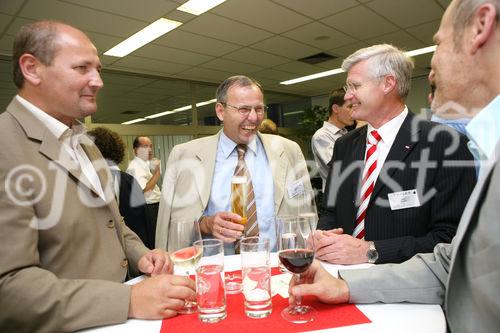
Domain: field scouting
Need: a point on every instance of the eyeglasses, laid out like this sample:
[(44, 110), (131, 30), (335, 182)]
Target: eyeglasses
[(245, 110), (353, 87)]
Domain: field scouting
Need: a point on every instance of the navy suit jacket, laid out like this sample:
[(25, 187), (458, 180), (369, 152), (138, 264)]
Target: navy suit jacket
[(431, 158)]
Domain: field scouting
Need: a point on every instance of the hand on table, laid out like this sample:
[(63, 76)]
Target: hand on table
[(337, 248), (155, 262), (160, 296)]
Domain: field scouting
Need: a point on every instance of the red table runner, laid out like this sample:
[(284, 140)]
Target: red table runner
[(328, 316)]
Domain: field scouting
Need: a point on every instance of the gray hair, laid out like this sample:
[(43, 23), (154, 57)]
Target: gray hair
[(237, 80), (463, 11), (385, 59), (38, 39)]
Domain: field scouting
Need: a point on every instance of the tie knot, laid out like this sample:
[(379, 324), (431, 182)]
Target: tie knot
[(374, 137), (242, 149)]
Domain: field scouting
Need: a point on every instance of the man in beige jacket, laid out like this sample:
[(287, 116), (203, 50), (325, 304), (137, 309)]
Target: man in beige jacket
[(65, 250)]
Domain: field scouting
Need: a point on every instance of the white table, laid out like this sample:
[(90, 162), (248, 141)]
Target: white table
[(385, 318)]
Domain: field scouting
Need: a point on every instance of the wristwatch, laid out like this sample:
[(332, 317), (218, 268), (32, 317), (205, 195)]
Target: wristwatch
[(372, 253)]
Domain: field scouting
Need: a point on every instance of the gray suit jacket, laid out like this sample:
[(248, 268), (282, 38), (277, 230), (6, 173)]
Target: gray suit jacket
[(188, 179), (464, 276), (62, 261)]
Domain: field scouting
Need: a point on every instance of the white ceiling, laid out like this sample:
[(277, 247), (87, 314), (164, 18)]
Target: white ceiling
[(259, 38)]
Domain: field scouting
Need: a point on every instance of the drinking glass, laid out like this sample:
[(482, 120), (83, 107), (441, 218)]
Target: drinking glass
[(210, 291), (296, 253), (307, 207), (239, 201), (181, 237), (256, 271)]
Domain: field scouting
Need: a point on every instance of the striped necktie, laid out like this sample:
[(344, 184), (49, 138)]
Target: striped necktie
[(251, 227), (369, 177)]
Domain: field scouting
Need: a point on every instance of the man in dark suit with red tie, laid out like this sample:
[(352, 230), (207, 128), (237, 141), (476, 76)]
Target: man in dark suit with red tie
[(398, 185)]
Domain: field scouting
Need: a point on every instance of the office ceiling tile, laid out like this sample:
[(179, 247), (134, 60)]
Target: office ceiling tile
[(225, 29), (274, 74), (299, 68), (251, 56), (319, 35), (82, 18), (205, 74), (286, 47), (149, 66), (148, 11), (425, 32), (400, 38), (231, 66), (347, 50), (406, 13), (318, 8), (360, 22), (262, 14), (193, 42), (16, 24), (10, 6), (4, 21), (171, 54), (6, 45)]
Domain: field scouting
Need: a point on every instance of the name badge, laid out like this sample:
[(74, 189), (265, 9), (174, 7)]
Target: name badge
[(295, 188), (404, 199)]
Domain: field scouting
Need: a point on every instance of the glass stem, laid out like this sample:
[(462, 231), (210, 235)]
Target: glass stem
[(298, 299)]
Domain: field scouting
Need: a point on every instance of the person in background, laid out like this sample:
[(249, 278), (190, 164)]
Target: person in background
[(128, 192), (146, 170), (65, 251), (267, 126), (394, 188), (462, 276), (323, 140), (197, 181)]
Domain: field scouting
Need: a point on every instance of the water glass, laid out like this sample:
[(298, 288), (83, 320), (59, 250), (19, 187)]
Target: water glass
[(210, 290), (256, 276)]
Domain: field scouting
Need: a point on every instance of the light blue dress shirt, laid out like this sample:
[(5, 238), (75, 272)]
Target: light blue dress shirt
[(484, 131), (262, 181)]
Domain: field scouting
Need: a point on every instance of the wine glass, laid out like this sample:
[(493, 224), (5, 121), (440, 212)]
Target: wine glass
[(182, 235), (296, 253)]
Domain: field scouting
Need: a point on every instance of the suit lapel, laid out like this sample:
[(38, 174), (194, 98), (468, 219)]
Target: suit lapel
[(275, 153), (207, 155), (403, 144), (50, 147)]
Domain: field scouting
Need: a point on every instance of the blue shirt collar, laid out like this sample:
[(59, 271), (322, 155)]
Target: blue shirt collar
[(484, 128), (227, 145)]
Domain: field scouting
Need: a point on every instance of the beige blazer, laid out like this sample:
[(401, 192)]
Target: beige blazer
[(64, 251), (188, 179)]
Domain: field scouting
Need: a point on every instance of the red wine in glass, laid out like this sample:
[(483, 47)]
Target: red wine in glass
[(296, 260)]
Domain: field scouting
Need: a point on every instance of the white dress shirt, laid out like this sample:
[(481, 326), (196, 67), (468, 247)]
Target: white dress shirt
[(388, 133), (139, 169), (70, 140)]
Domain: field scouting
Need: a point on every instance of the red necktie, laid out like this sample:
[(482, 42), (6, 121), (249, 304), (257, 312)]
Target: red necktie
[(369, 178)]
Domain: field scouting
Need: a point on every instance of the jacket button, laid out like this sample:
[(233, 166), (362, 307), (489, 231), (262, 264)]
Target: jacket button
[(110, 224), (124, 263)]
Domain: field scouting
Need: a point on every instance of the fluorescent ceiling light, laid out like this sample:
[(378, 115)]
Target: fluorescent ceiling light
[(133, 121), (183, 108), (141, 38), (424, 50), (340, 70), (197, 7), (313, 76)]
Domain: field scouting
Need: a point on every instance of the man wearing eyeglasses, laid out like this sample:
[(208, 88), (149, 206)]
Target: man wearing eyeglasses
[(398, 185), (197, 182)]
